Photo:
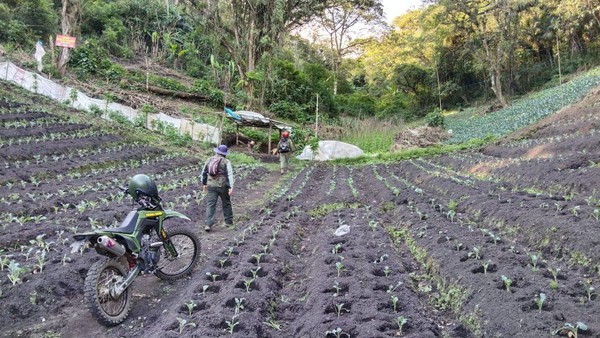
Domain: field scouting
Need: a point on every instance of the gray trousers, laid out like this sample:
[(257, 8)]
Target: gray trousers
[(211, 205)]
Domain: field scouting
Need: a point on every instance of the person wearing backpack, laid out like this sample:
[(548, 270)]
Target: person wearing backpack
[(285, 147), (217, 182)]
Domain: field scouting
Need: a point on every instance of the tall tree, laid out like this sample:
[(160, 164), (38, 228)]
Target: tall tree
[(250, 29), (338, 22), (69, 15), (492, 27)]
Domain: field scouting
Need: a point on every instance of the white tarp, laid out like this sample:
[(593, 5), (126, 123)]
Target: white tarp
[(331, 150), (39, 84)]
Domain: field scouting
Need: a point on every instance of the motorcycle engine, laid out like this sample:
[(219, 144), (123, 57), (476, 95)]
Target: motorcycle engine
[(150, 254)]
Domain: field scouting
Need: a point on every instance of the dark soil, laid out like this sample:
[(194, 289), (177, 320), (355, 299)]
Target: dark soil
[(429, 239)]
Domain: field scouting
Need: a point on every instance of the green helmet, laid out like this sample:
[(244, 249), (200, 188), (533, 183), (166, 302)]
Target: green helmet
[(141, 184)]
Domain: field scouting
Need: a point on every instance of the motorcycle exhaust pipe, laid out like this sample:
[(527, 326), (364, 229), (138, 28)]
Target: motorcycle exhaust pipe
[(110, 245)]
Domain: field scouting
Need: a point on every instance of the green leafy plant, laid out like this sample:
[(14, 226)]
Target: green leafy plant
[(590, 291), (231, 324), (485, 266), (571, 330), (248, 284), (387, 270), (213, 276), (190, 306), (394, 299), (257, 257), (239, 305), (539, 301), (255, 272), (476, 253), (339, 266), (337, 288), (400, 321), (534, 261), (339, 309), (15, 272), (336, 248), (507, 282), (337, 333)]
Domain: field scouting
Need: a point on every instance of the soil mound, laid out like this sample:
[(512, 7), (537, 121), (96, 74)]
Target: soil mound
[(424, 136)]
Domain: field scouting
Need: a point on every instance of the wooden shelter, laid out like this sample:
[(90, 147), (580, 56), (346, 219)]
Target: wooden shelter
[(245, 118)]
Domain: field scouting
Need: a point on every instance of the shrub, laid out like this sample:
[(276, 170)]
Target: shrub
[(435, 118)]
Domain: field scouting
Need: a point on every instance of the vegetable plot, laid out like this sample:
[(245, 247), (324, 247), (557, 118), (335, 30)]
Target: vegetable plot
[(497, 242)]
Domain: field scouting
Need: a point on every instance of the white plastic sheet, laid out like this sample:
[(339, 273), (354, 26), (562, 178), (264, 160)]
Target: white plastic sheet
[(39, 84), (331, 150)]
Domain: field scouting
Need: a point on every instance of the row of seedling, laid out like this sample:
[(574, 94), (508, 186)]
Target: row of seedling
[(80, 134)]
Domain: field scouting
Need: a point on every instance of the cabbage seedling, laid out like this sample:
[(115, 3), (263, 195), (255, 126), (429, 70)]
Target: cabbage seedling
[(589, 289), (15, 272), (571, 330), (387, 270), (394, 300), (248, 284), (254, 272), (534, 260), (257, 257), (337, 288), (401, 321), (239, 305), (190, 306), (475, 253), (507, 282), (183, 323), (336, 249), (339, 266), (485, 266), (339, 308), (222, 262), (337, 333), (554, 273), (539, 301), (213, 276), (231, 325)]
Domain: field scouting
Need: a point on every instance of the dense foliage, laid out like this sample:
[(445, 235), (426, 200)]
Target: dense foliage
[(247, 54)]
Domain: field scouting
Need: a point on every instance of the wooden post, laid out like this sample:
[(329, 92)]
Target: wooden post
[(237, 134), (270, 125), (317, 118), (558, 53)]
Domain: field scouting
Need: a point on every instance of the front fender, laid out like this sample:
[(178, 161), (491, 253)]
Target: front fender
[(171, 214)]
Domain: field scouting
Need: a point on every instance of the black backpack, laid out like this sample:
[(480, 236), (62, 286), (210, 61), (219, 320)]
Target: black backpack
[(284, 145)]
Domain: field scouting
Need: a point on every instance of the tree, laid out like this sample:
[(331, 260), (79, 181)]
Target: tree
[(492, 28), (338, 23), (69, 14)]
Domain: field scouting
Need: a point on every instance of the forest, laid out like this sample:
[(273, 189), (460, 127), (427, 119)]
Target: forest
[(285, 57)]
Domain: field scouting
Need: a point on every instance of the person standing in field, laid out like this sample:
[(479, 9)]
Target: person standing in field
[(285, 147), (217, 181)]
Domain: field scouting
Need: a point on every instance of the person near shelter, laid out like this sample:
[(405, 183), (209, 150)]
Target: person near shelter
[(285, 148), (217, 182)]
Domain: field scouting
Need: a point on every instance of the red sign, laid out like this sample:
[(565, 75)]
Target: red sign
[(65, 41)]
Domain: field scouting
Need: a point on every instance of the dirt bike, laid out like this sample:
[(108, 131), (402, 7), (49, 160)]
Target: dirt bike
[(140, 245)]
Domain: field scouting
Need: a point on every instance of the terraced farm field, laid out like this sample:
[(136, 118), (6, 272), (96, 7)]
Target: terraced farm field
[(497, 242)]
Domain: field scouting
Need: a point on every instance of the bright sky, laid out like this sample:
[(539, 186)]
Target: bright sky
[(394, 8)]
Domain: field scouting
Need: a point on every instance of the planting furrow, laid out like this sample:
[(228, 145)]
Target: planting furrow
[(490, 258)]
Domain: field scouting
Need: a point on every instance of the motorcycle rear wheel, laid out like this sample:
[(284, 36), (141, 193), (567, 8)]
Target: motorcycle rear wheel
[(188, 249), (99, 282)]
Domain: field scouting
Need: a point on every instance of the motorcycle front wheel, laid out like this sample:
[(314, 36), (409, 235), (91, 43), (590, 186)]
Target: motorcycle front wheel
[(187, 246), (99, 295)]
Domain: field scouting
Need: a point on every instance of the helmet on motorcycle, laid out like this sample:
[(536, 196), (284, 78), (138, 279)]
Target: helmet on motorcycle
[(285, 134), (141, 184)]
